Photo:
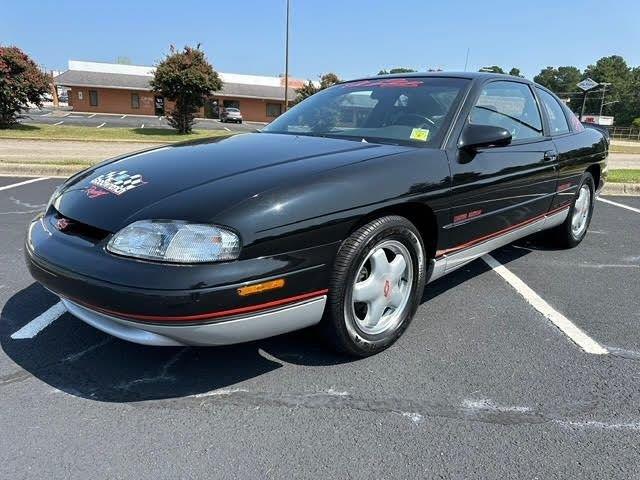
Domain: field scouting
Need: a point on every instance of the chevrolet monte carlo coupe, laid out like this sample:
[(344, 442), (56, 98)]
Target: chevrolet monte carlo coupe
[(336, 214)]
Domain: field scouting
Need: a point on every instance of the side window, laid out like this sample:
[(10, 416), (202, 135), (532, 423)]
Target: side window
[(509, 105), (555, 112)]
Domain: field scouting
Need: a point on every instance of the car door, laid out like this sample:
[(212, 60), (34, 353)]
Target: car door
[(497, 190), (571, 151)]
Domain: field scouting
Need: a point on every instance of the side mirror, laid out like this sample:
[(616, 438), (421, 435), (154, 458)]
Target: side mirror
[(479, 136)]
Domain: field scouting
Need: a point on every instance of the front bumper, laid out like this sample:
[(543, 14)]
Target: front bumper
[(233, 330), (158, 304)]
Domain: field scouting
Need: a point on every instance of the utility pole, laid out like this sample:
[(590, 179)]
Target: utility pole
[(286, 64), (466, 60), (584, 103), (604, 87)]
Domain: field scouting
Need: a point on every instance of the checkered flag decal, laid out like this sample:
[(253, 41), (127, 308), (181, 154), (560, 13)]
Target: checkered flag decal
[(118, 182)]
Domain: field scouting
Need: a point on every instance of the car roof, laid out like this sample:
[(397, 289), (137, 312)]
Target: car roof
[(466, 75)]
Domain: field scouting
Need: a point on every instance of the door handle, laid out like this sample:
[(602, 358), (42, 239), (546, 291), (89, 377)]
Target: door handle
[(550, 156)]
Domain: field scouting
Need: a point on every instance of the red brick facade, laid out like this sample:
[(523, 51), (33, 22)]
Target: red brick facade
[(112, 100)]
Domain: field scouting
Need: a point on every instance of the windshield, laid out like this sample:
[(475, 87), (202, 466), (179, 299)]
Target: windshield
[(411, 111)]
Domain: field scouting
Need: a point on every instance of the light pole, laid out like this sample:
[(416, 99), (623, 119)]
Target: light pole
[(286, 64), (604, 87)]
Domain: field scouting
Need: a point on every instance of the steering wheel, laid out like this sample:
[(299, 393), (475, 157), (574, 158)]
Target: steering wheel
[(405, 119)]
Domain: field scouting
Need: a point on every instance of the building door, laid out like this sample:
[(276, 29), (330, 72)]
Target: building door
[(158, 103)]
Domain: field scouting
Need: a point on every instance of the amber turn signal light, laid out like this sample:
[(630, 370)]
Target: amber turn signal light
[(261, 287)]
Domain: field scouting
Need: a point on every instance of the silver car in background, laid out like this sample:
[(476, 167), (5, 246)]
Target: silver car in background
[(231, 115)]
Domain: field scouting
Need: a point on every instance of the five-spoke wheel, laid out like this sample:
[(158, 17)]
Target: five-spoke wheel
[(376, 286)]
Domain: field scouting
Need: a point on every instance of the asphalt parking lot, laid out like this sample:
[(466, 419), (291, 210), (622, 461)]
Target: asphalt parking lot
[(488, 382), (98, 120)]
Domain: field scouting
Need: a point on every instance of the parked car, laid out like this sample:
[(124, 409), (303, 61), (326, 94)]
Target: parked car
[(231, 115), (336, 214)]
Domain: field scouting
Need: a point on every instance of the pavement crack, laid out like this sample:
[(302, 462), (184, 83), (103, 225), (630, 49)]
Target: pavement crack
[(163, 376), (15, 377), (482, 411), (624, 353), (27, 205), (76, 356)]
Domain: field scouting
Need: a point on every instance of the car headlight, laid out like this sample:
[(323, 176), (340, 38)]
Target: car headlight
[(175, 242)]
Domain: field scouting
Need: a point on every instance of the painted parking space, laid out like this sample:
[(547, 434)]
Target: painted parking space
[(479, 366), (597, 283)]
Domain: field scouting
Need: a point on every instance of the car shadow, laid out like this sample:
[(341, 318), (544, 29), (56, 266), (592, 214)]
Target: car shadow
[(80, 360)]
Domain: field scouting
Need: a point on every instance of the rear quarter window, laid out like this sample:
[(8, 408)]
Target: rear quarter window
[(555, 113)]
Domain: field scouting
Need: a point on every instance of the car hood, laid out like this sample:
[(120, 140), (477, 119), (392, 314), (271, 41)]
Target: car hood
[(195, 181)]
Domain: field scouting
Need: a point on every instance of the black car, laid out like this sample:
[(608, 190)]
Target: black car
[(337, 213)]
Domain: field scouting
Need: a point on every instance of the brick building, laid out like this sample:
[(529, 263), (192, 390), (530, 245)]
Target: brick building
[(114, 88)]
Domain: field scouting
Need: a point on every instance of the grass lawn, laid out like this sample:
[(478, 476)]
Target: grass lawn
[(624, 176), (624, 148), (93, 134)]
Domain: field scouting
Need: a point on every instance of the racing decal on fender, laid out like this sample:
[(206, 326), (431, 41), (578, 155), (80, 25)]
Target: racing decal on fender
[(114, 182), (95, 192)]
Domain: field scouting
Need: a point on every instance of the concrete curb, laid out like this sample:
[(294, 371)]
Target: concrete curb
[(100, 140), (35, 170), (621, 189)]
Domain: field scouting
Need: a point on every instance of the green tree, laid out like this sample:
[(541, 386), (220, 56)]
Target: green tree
[(185, 78), (327, 80), (559, 80), (21, 83), (636, 122), (619, 94), (492, 69), (396, 70), (515, 72)]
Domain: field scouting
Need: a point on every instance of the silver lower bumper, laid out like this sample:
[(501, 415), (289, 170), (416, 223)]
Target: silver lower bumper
[(235, 330)]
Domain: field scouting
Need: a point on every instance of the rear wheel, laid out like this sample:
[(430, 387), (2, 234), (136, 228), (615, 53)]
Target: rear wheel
[(376, 286), (574, 228)]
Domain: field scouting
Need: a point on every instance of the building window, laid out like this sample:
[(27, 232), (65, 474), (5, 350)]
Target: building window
[(274, 109), (231, 104), (93, 98), (135, 100), (79, 94)]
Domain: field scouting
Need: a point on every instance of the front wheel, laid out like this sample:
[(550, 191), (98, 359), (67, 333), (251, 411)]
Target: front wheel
[(376, 286)]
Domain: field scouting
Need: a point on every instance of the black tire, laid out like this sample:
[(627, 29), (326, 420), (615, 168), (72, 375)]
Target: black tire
[(563, 235), (339, 325)]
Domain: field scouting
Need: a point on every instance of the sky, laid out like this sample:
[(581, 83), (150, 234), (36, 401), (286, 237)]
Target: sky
[(352, 38)]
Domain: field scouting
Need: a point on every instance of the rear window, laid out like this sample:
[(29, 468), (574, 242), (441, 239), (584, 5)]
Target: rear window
[(557, 120), (412, 110)]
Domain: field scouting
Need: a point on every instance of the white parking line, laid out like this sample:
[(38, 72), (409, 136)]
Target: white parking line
[(92, 115), (142, 126), (563, 323), (227, 129), (633, 209), (19, 184), (41, 322), (101, 125), (61, 121), (46, 114), (123, 116)]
